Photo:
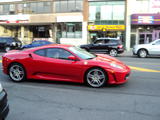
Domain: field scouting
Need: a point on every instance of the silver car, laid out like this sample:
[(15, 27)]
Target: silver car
[(144, 50)]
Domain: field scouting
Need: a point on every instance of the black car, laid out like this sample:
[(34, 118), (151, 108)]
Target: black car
[(8, 43), (4, 107), (113, 46)]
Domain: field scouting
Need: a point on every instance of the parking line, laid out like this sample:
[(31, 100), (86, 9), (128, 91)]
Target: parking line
[(143, 69)]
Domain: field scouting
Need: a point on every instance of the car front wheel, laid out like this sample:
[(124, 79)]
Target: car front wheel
[(17, 72), (96, 77)]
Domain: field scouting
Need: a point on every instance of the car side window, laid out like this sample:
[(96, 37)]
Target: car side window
[(99, 42), (41, 52), (106, 41), (58, 53), (157, 43)]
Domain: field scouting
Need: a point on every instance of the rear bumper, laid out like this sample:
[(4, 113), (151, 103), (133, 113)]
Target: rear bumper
[(4, 107), (120, 51)]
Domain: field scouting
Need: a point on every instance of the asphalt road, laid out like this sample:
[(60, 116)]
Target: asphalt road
[(138, 99)]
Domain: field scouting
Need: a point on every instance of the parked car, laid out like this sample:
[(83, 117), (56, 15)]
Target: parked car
[(144, 50), (37, 43), (8, 43), (64, 63), (113, 46), (4, 107)]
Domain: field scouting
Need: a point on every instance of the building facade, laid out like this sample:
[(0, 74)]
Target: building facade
[(61, 21), (143, 21), (81, 21)]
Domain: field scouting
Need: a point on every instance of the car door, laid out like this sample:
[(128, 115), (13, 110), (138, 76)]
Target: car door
[(97, 46), (155, 48), (56, 65)]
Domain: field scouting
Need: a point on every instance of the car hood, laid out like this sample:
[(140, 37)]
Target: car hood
[(107, 58), (142, 45)]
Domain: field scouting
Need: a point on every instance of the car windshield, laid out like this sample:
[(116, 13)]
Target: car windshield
[(82, 53)]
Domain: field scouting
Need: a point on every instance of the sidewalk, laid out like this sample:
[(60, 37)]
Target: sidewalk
[(127, 53)]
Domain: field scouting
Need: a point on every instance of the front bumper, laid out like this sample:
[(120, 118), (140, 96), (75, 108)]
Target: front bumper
[(119, 77), (4, 107)]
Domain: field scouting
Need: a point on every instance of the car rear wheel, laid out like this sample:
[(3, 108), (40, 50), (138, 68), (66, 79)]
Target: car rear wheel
[(113, 52), (17, 72), (96, 77), (142, 53), (7, 49)]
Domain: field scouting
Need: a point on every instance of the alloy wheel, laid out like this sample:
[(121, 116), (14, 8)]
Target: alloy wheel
[(113, 52), (142, 53), (17, 73), (96, 77)]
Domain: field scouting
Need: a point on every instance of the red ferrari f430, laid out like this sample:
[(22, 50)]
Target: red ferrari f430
[(64, 63)]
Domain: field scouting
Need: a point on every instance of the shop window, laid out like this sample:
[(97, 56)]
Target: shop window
[(70, 30)]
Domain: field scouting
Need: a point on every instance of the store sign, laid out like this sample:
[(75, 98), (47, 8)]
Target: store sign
[(106, 27), (14, 18), (146, 19)]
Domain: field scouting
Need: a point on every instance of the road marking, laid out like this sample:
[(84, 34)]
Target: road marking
[(134, 68), (142, 63), (143, 69)]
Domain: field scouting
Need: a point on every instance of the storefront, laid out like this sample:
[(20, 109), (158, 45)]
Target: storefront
[(106, 19), (144, 28), (112, 31)]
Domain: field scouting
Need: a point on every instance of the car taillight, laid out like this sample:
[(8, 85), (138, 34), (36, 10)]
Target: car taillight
[(120, 46)]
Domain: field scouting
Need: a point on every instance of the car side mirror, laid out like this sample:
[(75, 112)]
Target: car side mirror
[(72, 58)]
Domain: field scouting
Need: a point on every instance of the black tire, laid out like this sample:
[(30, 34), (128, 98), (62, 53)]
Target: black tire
[(113, 52), (17, 72), (7, 49), (142, 53), (96, 77)]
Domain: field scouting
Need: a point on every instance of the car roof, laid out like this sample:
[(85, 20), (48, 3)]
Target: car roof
[(48, 46)]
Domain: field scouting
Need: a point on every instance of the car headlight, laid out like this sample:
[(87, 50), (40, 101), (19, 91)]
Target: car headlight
[(115, 66), (1, 88)]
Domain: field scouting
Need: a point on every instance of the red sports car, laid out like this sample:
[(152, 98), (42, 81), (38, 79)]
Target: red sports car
[(64, 63)]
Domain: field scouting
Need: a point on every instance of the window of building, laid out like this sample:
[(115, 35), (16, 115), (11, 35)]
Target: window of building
[(40, 7), (26, 8), (68, 6), (107, 12), (70, 30)]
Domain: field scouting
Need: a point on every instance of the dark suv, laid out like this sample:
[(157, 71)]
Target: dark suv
[(113, 46), (8, 43)]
